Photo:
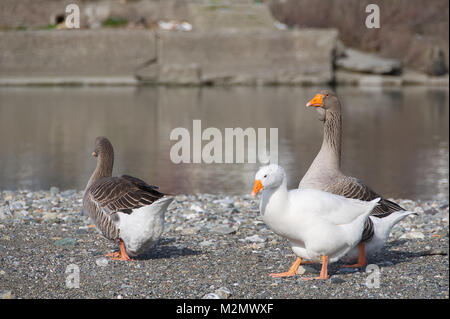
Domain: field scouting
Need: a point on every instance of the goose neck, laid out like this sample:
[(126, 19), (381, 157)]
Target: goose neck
[(103, 169), (332, 139)]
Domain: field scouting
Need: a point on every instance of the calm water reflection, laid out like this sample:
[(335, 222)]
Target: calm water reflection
[(396, 140)]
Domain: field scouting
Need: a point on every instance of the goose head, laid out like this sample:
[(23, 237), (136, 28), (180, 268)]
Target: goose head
[(268, 177), (325, 101), (103, 147)]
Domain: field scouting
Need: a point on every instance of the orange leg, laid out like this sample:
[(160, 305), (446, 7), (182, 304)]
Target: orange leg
[(291, 272), (122, 254), (323, 271), (114, 254), (362, 261)]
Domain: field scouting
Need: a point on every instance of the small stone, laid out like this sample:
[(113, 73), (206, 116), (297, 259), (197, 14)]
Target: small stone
[(102, 262), (301, 270), (8, 195), (81, 231), (50, 217), (66, 242), (413, 235), (255, 239), (223, 292), (206, 243), (336, 280), (4, 213), (443, 204), (18, 205), (196, 208), (211, 296), (431, 211), (190, 214), (257, 246), (225, 202), (20, 214), (6, 294), (125, 286), (189, 231), (224, 230)]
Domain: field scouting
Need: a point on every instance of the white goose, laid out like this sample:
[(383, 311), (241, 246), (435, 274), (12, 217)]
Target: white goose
[(320, 226)]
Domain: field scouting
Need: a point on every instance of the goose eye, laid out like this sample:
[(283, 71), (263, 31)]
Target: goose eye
[(265, 176)]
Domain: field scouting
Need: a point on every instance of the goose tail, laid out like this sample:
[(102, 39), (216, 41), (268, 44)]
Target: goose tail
[(383, 226)]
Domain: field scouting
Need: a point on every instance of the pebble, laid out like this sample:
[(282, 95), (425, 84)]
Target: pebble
[(65, 242), (221, 293), (206, 243), (301, 270), (196, 208), (413, 235), (4, 213), (224, 202), (6, 294), (224, 230), (20, 214), (50, 217), (102, 262), (255, 239), (337, 280), (211, 296)]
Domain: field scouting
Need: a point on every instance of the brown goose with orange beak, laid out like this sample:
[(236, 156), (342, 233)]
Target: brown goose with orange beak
[(325, 174)]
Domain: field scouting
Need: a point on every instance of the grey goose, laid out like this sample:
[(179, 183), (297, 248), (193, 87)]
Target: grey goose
[(325, 174), (124, 209)]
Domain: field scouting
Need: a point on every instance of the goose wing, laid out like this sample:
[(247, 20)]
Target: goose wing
[(351, 187), (125, 193)]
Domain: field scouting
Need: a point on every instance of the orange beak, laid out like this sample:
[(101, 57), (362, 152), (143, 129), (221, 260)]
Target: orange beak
[(94, 154), (257, 187), (316, 101)]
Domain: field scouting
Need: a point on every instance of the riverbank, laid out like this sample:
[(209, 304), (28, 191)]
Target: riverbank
[(210, 242)]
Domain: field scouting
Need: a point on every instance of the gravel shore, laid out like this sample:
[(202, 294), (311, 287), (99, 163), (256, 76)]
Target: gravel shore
[(212, 246)]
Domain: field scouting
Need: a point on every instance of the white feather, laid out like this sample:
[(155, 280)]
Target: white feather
[(141, 229), (382, 228), (315, 222)]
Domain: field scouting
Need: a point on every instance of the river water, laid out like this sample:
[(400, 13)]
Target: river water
[(395, 139)]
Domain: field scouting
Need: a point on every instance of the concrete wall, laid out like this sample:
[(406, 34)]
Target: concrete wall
[(253, 57), (74, 55), (124, 55)]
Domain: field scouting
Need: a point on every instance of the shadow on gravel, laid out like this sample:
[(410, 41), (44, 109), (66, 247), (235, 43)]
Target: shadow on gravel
[(402, 253), (165, 250)]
